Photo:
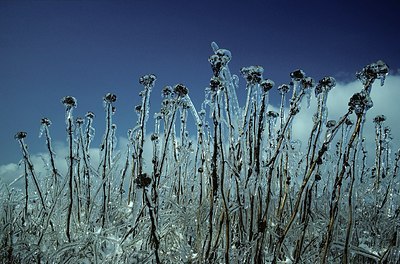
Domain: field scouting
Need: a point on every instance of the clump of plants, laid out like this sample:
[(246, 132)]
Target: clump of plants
[(238, 189)]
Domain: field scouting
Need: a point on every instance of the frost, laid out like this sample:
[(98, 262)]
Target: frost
[(371, 72), (214, 47), (69, 103), (228, 183)]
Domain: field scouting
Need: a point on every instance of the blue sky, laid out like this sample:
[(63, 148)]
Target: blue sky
[(50, 49)]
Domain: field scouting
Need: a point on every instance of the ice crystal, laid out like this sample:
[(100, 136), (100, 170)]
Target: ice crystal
[(110, 98), (70, 103), (45, 121), (267, 85), (148, 80), (360, 102), (252, 74), (90, 115), (325, 85), (167, 91), (181, 90), (143, 180), (20, 135), (298, 75), (331, 123), (218, 62), (379, 119), (283, 89), (240, 187), (373, 71)]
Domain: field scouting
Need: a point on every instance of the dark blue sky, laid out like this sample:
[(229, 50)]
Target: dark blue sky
[(49, 49)]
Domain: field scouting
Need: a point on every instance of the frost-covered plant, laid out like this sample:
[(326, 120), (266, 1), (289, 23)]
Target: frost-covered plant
[(237, 189)]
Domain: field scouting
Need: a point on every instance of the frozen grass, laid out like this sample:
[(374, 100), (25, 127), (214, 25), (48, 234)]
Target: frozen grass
[(238, 190)]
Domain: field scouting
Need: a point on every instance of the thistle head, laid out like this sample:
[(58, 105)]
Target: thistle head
[(252, 74), (219, 59), (224, 53), (379, 119), (138, 108), (307, 83), (325, 85), (110, 98), (272, 114), (148, 80), (143, 180), (360, 102), (79, 121), (154, 137), (331, 123), (20, 135), (373, 71), (69, 102), (283, 89), (216, 83), (167, 92), (181, 90), (267, 85), (45, 121), (90, 115), (297, 75)]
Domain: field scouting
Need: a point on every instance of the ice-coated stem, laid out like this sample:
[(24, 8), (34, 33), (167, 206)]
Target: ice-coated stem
[(31, 169), (45, 127), (70, 177), (107, 149), (303, 185), (337, 190), (69, 103)]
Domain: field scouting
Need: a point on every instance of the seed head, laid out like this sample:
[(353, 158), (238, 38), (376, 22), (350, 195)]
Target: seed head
[(252, 74), (267, 85), (167, 91), (226, 54), (20, 135), (307, 82), (325, 84), (138, 108), (373, 71), (219, 60), (360, 102), (79, 121), (110, 98), (69, 101), (143, 180), (297, 75), (181, 90), (272, 114), (379, 119), (153, 137), (45, 121), (215, 83), (283, 89), (90, 115), (331, 123), (148, 80)]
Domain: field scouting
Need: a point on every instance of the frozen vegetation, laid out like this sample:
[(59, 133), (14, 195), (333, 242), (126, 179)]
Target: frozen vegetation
[(239, 189)]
